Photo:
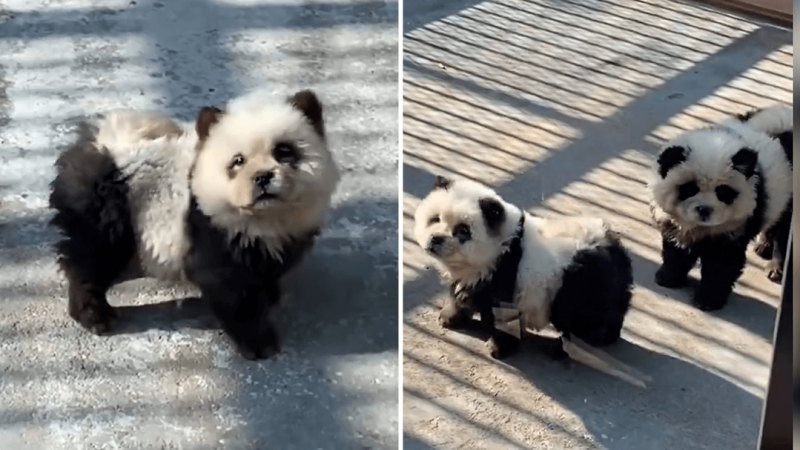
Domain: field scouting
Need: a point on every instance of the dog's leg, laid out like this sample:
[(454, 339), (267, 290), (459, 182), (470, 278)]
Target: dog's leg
[(677, 262), (780, 240), (455, 314), (763, 246), (722, 264), (500, 344), (245, 317), (92, 258)]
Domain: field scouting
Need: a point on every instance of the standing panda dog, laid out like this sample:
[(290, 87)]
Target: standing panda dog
[(229, 203), (573, 273), (716, 189)]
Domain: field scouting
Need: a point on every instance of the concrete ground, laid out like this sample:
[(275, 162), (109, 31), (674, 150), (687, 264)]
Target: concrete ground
[(562, 105), (168, 378)]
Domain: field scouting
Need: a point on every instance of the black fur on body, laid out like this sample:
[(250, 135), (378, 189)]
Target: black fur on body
[(240, 281), (776, 238), (595, 294), (722, 257), (98, 250), (591, 304), (488, 293), (89, 195)]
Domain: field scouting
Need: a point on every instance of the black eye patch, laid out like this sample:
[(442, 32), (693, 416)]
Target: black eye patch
[(494, 214), (285, 153), (726, 194), (462, 232), (687, 190), (433, 220), (236, 162)]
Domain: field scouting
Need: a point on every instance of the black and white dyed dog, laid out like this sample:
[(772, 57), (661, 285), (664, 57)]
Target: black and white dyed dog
[(573, 273), (229, 203), (716, 189)]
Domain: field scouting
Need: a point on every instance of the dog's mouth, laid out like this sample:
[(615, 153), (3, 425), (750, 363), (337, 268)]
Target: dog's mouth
[(261, 201), (707, 222), (265, 197), (441, 252)]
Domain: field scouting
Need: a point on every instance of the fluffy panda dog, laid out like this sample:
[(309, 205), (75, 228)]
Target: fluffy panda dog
[(573, 273), (229, 203), (716, 189)]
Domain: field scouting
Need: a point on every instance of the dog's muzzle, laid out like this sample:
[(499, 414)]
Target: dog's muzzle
[(435, 244)]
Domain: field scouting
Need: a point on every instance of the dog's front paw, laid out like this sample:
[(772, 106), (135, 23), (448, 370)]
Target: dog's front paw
[(95, 317), (502, 345), (265, 345), (763, 248), (775, 275), (707, 301), (453, 317), (775, 270), (669, 279)]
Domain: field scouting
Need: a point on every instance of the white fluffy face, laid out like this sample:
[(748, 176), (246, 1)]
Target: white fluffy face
[(706, 180), (464, 226), (264, 167)]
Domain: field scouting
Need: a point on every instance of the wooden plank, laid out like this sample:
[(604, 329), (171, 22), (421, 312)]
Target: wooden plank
[(777, 10)]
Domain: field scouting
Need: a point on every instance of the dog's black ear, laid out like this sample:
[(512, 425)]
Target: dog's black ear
[(442, 182), (206, 119), (669, 158), (306, 101), (744, 117), (493, 213), (745, 161)]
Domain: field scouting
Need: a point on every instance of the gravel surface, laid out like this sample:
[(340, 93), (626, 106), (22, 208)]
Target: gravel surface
[(168, 378)]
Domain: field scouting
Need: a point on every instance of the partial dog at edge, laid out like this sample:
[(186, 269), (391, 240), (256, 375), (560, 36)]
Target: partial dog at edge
[(714, 190)]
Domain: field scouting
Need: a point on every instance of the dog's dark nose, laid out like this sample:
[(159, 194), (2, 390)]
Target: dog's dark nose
[(703, 211), (435, 243), (262, 179)]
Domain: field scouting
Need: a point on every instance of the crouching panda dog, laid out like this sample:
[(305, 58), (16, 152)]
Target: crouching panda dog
[(229, 203), (714, 190), (572, 273)]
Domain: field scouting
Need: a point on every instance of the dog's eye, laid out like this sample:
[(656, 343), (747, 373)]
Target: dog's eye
[(687, 190), (462, 232), (237, 161), (285, 153), (726, 194), (433, 220)]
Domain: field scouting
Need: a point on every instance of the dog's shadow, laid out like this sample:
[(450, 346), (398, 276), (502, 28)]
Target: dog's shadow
[(349, 309), (170, 315), (750, 313), (681, 405)]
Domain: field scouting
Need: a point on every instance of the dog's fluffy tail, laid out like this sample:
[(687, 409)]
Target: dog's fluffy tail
[(598, 359)]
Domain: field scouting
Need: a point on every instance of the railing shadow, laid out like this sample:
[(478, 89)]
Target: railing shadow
[(561, 106)]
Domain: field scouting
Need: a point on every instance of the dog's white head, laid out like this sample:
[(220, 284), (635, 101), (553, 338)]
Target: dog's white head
[(706, 179), (263, 165), (464, 225)]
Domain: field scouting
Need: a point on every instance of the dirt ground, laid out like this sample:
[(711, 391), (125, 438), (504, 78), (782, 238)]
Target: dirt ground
[(168, 378), (561, 106)]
